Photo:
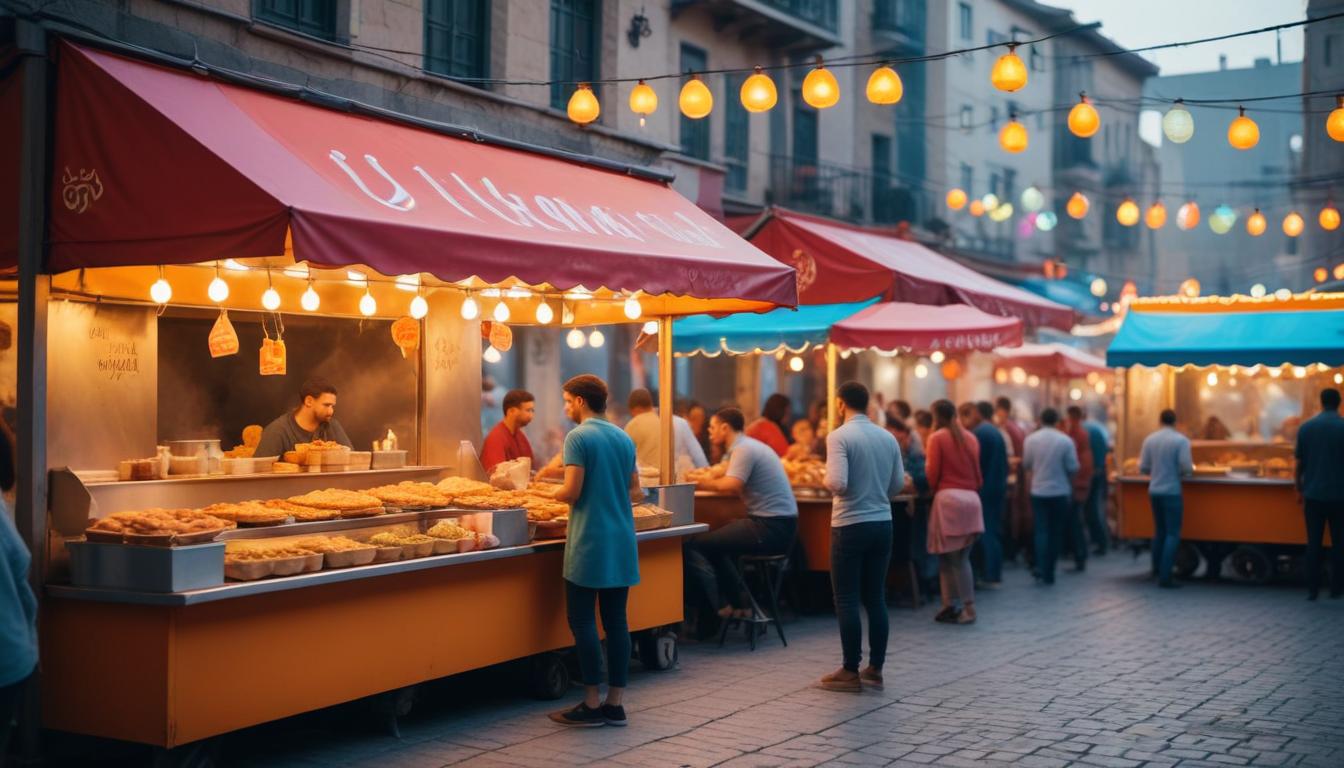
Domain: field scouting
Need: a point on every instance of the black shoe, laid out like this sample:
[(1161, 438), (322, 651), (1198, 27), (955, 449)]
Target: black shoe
[(947, 616), (1168, 585), (581, 716), (1311, 596), (613, 714)]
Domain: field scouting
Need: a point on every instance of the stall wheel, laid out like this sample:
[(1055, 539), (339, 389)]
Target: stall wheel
[(658, 649), (1252, 563), (394, 705), (1187, 560), (549, 676)]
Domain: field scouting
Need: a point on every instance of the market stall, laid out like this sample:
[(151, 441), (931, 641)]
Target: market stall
[(195, 591), (1241, 374), (1062, 373)]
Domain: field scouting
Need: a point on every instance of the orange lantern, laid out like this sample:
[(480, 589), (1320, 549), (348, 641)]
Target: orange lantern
[(643, 101), (758, 92), (1009, 73), (583, 106), (1156, 216), (1128, 213), (1243, 133), (1190, 288), (1084, 122), (1293, 224), (820, 88), (956, 198), (1329, 218), (1334, 124), (1255, 224), (1320, 274), (1013, 136), (951, 370), (1187, 216), (977, 208), (884, 86), (1077, 205), (695, 101)]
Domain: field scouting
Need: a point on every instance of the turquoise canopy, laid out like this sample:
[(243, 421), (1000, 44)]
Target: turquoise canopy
[(1229, 338), (789, 329)]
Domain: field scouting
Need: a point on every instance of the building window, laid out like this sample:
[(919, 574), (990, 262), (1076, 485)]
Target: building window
[(457, 34), (1329, 45), (967, 179), (884, 211), (993, 119), (736, 135), (967, 117), (694, 133), (964, 21), (311, 17), (575, 40), (1035, 59)]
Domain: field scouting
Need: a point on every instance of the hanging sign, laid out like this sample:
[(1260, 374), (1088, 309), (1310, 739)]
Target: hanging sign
[(223, 339), (499, 335), (406, 335)]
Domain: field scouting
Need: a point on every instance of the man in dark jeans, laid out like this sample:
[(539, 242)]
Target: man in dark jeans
[(1165, 458), (1320, 483), (1050, 461), (863, 472), (978, 418), (753, 470)]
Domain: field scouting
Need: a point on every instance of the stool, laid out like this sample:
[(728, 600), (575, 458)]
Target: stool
[(770, 570)]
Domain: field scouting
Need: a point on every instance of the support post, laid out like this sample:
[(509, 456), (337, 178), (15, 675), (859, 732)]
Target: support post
[(667, 385), (832, 360)]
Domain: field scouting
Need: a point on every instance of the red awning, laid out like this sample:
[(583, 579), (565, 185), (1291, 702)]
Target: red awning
[(11, 144), (1055, 361), (840, 263), (949, 328), (156, 166)]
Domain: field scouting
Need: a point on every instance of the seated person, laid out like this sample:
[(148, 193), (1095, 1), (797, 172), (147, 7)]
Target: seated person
[(804, 441)]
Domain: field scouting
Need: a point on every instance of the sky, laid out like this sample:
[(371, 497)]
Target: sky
[(1138, 23)]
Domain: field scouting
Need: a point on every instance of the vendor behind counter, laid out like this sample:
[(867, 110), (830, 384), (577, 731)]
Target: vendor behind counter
[(314, 419)]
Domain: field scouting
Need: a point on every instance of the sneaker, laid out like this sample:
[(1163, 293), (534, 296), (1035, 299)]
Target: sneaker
[(841, 681), (872, 677), (947, 616), (614, 714), (581, 716)]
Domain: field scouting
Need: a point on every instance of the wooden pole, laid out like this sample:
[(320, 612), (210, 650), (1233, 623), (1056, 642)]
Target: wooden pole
[(832, 356), (667, 386)]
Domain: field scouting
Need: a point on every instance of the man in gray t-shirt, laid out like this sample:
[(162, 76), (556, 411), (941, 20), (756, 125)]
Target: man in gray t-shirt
[(754, 471), (314, 419)]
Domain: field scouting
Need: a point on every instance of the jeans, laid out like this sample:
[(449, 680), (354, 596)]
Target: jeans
[(1096, 513), (1167, 510), (710, 557), (955, 579), (988, 553), (1050, 517), (11, 696), (1074, 530), (580, 602), (860, 555), (1318, 514)]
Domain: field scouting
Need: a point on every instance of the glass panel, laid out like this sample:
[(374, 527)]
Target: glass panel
[(574, 47), (736, 134), (311, 17), (456, 36)]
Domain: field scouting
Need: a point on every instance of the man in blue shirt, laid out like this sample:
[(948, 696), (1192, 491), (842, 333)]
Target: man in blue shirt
[(754, 471), (1097, 498), (1165, 458), (1050, 460), (1320, 483), (978, 418), (863, 472)]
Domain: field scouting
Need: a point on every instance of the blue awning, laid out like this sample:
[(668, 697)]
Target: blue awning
[(1229, 338), (789, 329), (1068, 292)]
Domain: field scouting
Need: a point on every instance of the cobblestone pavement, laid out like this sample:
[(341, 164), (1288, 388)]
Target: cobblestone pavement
[(1102, 669)]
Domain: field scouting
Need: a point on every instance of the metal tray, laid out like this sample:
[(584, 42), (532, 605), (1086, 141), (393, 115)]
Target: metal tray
[(146, 569)]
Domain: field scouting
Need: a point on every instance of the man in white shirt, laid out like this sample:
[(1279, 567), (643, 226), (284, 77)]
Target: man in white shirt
[(645, 428), (1050, 460)]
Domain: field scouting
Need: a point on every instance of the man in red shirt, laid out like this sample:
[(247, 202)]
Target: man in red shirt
[(1082, 486), (506, 441)]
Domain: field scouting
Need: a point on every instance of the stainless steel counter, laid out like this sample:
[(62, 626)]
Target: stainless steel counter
[(264, 586), (1216, 480)]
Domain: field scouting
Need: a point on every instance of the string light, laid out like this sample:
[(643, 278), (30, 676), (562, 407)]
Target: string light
[(1293, 224), (501, 313), (1128, 213), (1177, 124), (1243, 133), (991, 201), (1032, 199), (1019, 375), (696, 101), (218, 290), (545, 314), (1339, 271), (1222, 220), (1156, 216), (1258, 290), (1002, 213), (491, 355), (1212, 379), (1046, 221), (583, 107), (596, 339), (161, 292), (1033, 380), (758, 92), (1334, 125), (921, 371), (1283, 294), (1009, 72), (1187, 216), (1098, 287), (956, 199), (367, 306), (1320, 275), (1329, 217), (1189, 288), (820, 88), (575, 339), (976, 208), (419, 307), (643, 101), (470, 309), (1084, 122), (633, 309), (1255, 224), (795, 364), (270, 300), (1077, 205), (1013, 136), (884, 86), (310, 301), (651, 328), (937, 357)]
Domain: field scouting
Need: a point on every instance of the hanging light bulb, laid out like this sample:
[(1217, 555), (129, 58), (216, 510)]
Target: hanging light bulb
[(575, 339), (1156, 216), (1046, 220), (884, 86), (937, 357), (921, 371), (1320, 275), (1187, 216), (419, 307), (1009, 73), (696, 101), (1334, 127), (1077, 205), (1258, 291), (643, 101), (1189, 288), (1339, 271), (1084, 122), (1211, 379), (651, 328), (633, 309), (820, 88), (501, 313), (1032, 199), (976, 208), (545, 314), (583, 106), (161, 291), (1300, 372), (1329, 217), (470, 309), (218, 290), (796, 364), (491, 355), (1293, 224), (1243, 133), (758, 92), (1177, 124), (270, 300), (310, 301), (956, 198), (1255, 224), (990, 201), (1222, 220), (1128, 213), (1283, 294), (1098, 287), (596, 339), (1002, 213), (367, 306), (1013, 136)]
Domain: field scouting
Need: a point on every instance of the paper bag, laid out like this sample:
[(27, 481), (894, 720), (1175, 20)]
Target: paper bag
[(512, 475), (223, 339)]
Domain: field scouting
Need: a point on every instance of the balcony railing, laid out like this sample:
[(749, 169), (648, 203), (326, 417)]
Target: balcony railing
[(844, 193), (822, 13), (905, 19)]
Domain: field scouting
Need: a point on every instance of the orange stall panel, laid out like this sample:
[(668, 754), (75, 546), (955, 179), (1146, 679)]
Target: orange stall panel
[(1223, 510)]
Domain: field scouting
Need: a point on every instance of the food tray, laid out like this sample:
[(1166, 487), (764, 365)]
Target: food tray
[(313, 563), (446, 546), (367, 512), (350, 557), (467, 545), (266, 524), (155, 540), (249, 571), (388, 554), (552, 529), (423, 549), (289, 566)]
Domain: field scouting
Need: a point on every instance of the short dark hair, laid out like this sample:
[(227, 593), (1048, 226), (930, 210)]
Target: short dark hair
[(733, 418), (1003, 403), (776, 408), (517, 398), (923, 419), (1168, 417), (966, 409), (1049, 417), (315, 388), (903, 408), (590, 389), (1075, 412), (986, 410), (854, 395), (899, 425), (639, 398), (1330, 402)]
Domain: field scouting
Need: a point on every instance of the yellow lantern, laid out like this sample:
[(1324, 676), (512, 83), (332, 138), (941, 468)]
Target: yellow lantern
[(1187, 216), (696, 101), (758, 92), (1128, 213), (1339, 271), (977, 208), (1255, 224), (956, 198), (1013, 136), (951, 371), (1190, 288), (1329, 218), (1009, 73), (1293, 224), (1320, 274), (583, 106), (1243, 133), (1077, 205), (820, 88), (1334, 124), (1156, 216), (1084, 122), (643, 101), (884, 86)]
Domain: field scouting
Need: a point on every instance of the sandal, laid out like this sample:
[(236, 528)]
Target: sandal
[(947, 616)]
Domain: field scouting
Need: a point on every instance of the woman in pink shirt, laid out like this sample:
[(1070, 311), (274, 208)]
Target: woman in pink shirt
[(955, 522)]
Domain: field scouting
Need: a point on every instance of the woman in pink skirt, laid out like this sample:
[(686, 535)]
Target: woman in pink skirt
[(953, 468)]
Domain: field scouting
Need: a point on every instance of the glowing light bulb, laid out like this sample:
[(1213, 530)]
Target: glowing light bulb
[(1156, 216), (1032, 199), (1320, 275), (575, 339), (1258, 290), (310, 301), (1177, 124), (545, 314), (367, 306), (419, 307), (1283, 294), (937, 357), (1098, 287), (1009, 72), (1222, 220), (795, 364), (1002, 213), (1077, 205), (501, 313), (651, 328), (1084, 122), (491, 355), (1075, 394), (921, 371), (1243, 133), (1013, 136), (1329, 217), (976, 208), (1339, 378), (1299, 372), (884, 86), (956, 198), (1033, 380), (1046, 221), (1212, 379), (470, 309), (218, 290), (1334, 127), (270, 300), (1128, 213), (1293, 224), (820, 88), (1189, 288), (633, 309), (596, 339), (695, 101), (583, 107), (1187, 216), (758, 92), (1019, 376), (643, 101), (1255, 224), (161, 291)]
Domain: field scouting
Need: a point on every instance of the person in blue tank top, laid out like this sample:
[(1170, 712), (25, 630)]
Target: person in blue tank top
[(601, 556)]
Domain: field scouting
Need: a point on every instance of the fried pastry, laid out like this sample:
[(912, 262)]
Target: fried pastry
[(336, 498)]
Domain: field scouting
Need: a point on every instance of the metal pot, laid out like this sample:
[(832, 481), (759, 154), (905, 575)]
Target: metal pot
[(207, 448)]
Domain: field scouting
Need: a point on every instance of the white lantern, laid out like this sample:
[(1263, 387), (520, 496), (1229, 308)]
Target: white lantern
[(1178, 125)]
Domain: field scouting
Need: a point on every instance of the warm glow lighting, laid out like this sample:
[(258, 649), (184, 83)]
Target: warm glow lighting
[(937, 357), (1320, 274), (1033, 380), (1177, 124), (1046, 220), (1013, 136), (419, 307), (1275, 373), (696, 101), (300, 271), (991, 201), (1293, 224), (1001, 376), (884, 86), (1077, 205), (758, 92), (1243, 133), (355, 277), (491, 355), (1334, 127), (270, 300), (575, 339), (367, 306), (795, 364), (1156, 216), (1258, 290), (1189, 288), (1032, 200), (583, 107), (1255, 224), (1299, 372), (1075, 394), (408, 283), (820, 88), (1019, 376), (651, 328), (545, 314), (235, 266), (161, 291), (218, 290), (1002, 213), (470, 309), (1222, 220), (976, 208), (1098, 287), (1283, 294), (1100, 387), (1009, 72), (310, 301), (1212, 379), (1339, 271), (643, 101), (501, 313), (1339, 378), (633, 309), (956, 198), (1329, 217), (1128, 213), (1187, 216), (921, 371), (596, 339), (1084, 122)]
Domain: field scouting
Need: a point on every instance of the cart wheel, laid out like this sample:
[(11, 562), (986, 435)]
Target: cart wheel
[(1187, 560), (658, 650), (549, 677), (1252, 564)]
